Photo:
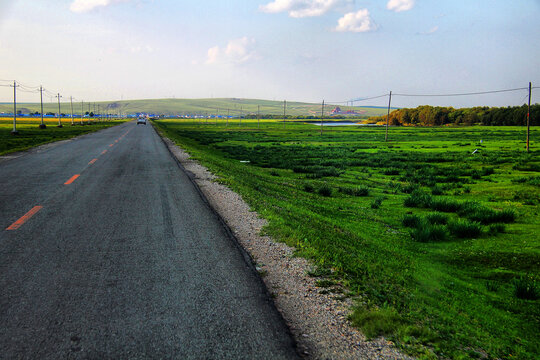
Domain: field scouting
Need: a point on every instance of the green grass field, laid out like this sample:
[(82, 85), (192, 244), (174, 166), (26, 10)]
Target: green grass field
[(440, 247), (31, 135), (236, 107)]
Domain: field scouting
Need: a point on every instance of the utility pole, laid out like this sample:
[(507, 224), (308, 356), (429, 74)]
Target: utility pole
[(387, 117), (14, 131), (59, 113), (258, 116), (82, 111), (240, 118), (529, 116), (88, 113), (42, 125), (322, 115), (284, 111), (71, 100), (227, 118), (217, 115)]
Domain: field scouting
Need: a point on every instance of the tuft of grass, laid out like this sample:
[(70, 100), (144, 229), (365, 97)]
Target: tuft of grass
[(437, 218), (496, 228), (492, 286), (427, 233), (376, 322), (308, 188), (465, 229), (325, 190), (437, 190), (356, 191), (411, 220), (445, 204), (526, 288), (418, 199), (377, 202), (274, 173), (485, 215)]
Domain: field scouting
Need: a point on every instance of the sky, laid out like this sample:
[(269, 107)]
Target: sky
[(295, 50)]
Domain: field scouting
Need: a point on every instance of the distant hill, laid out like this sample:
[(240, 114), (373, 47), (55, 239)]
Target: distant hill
[(234, 106)]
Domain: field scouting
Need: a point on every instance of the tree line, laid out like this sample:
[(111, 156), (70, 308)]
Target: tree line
[(426, 115)]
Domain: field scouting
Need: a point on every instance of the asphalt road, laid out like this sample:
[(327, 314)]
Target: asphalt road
[(124, 260)]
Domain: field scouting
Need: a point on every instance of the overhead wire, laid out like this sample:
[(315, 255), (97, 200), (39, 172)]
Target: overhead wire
[(461, 94)]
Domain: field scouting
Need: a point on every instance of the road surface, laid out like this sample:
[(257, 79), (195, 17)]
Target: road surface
[(108, 251)]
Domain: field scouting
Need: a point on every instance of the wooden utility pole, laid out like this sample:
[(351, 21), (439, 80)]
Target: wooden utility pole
[(322, 115), (59, 113), (42, 125), (71, 100), (82, 111), (258, 116), (529, 116), (227, 118), (284, 111), (388, 116), (14, 131)]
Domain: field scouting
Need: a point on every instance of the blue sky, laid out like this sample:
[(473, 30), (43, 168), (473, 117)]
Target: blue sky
[(304, 50)]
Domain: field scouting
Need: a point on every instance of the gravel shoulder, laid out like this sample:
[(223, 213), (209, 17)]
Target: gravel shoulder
[(317, 319)]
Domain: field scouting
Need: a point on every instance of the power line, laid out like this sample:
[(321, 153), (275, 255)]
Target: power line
[(462, 94), (368, 98)]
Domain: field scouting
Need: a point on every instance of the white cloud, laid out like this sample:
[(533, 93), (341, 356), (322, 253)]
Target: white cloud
[(213, 54), (359, 21), (430, 31), (81, 6), (237, 51), (302, 8), (400, 5)]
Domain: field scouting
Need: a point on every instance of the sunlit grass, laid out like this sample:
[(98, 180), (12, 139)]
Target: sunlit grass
[(424, 249)]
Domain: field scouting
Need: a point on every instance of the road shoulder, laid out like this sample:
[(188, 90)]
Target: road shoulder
[(317, 320)]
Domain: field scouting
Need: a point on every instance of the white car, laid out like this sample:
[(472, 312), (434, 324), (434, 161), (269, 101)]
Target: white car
[(141, 121)]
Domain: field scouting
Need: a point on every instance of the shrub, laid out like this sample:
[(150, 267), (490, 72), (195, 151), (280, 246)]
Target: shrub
[(437, 218), (427, 232), (325, 190), (274, 173), (418, 199), (526, 288), (308, 188)]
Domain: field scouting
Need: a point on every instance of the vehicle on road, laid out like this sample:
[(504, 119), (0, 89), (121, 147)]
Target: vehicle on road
[(141, 121)]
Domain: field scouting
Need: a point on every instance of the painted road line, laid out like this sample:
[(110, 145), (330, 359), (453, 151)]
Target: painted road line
[(103, 152), (17, 224), (92, 161), (72, 179)]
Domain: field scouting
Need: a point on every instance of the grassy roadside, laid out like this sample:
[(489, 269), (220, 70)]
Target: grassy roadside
[(30, 135), (439, 246)]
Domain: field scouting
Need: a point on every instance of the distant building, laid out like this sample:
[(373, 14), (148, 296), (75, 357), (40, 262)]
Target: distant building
[(337, 111)]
